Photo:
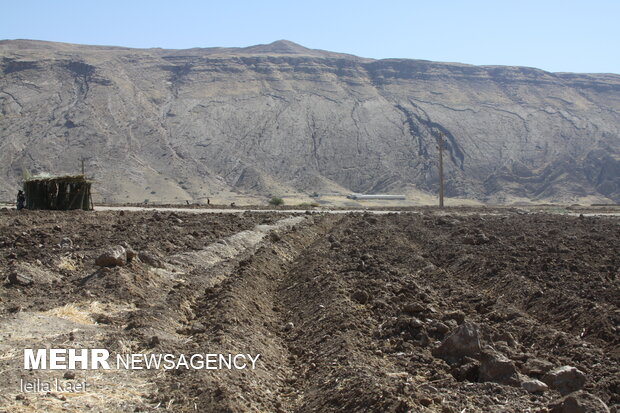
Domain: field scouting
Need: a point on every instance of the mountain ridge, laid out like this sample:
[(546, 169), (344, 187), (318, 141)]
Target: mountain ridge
[(283, 46), (273, 118)]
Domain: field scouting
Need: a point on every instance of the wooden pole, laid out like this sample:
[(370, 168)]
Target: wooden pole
[(440, 140), (90, 197)]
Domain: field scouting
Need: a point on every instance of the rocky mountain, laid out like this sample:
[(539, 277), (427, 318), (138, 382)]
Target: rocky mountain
[(171, 125)]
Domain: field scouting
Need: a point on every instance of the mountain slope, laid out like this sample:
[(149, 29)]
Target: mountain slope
[(185, 124)]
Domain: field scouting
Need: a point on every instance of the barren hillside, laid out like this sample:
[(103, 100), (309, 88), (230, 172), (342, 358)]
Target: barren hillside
[(171, 125)]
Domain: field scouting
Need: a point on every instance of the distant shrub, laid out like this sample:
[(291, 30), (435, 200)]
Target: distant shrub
[(275, 201), (308, 205)]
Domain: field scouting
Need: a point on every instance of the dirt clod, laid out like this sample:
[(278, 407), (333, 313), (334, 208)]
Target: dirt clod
[(565, 379), (112, 257), (579, 402), (360, 296), (534, 386)]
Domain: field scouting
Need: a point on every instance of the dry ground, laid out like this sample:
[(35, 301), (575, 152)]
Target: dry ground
[(346, 310)]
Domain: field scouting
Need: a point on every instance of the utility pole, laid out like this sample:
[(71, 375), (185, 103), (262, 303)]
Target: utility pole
[(82, 166), (440, 143)]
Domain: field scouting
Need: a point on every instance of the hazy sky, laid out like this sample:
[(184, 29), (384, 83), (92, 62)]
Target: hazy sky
[(567, 35)]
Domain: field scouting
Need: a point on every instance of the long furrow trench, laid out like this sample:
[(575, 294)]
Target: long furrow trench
[(349, 312), (346, 314)]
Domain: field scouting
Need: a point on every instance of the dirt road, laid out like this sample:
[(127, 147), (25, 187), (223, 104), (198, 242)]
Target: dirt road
[(349, 312), (587, 212)]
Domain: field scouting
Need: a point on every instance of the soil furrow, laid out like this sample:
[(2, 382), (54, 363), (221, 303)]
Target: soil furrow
[(425, 312), (243, 314)]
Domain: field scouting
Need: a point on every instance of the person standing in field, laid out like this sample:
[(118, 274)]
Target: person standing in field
[(21, 200)]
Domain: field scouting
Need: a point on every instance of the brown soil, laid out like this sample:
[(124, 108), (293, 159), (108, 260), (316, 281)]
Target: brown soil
[(345, 310)]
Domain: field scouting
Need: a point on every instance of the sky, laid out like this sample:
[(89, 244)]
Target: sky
[(557, 36)]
